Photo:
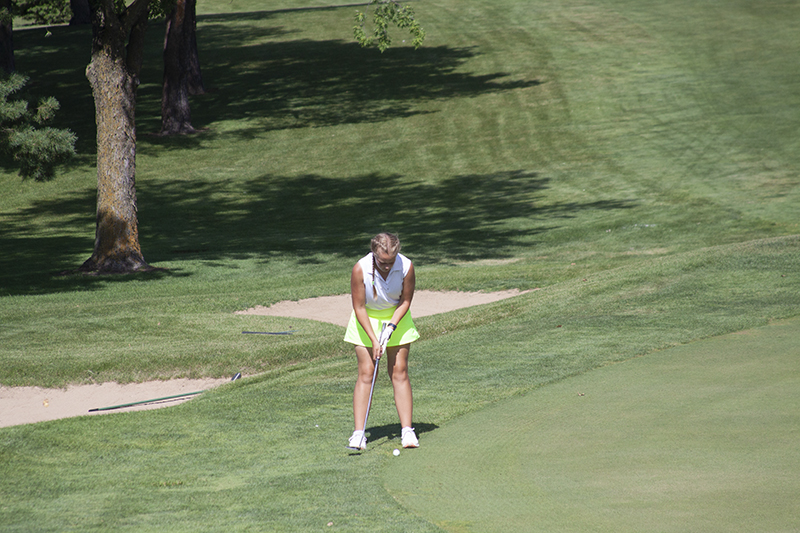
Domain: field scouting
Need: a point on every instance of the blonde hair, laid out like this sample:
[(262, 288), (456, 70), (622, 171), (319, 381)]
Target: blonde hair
[(388, 243)]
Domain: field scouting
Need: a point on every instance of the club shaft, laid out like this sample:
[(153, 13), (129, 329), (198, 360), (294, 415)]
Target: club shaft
[(371, 389)]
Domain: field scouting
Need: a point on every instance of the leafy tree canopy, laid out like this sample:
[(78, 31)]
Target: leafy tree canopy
[(386, 12), (44, 11), (59, 11)]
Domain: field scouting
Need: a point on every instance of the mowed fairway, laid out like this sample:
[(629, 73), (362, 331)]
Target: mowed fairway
[(635, 162), (701, 437)]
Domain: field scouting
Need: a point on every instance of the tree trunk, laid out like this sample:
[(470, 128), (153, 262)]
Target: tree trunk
[(81, 14), (193, 59), (113, 75), (181, 69), (6, 38)]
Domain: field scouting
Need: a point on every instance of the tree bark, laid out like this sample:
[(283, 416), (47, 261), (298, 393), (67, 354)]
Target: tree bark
[(181, 69), (113, 76), (195, 77), (6, 38)]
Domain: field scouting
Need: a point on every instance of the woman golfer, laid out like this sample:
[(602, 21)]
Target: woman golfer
[(382, 286)]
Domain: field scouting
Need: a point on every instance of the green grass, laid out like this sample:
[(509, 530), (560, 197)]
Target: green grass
[(267, 452), (696, 438), (648, 150)]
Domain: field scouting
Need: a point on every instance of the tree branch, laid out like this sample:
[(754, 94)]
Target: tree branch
[(387, 12)]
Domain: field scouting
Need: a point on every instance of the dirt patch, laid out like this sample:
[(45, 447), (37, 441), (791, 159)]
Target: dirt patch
[(25, 405)]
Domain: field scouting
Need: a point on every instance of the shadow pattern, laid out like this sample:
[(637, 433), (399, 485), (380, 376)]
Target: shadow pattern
[(463, 218), (263, 80), (286, 84)]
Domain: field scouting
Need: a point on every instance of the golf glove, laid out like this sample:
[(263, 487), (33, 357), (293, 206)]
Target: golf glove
[(386, 334)]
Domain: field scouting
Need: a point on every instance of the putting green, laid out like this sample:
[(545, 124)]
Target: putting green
[(700, 437)]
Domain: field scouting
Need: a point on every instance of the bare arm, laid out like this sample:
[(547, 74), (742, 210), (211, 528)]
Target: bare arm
[(359, 298), (409, 285)]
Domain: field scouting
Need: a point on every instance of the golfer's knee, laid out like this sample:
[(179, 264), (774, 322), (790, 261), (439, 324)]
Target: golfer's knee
[(398, 376)]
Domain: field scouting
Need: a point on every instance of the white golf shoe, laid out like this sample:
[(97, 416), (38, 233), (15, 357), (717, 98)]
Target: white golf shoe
[(410, 438), (358, 441)]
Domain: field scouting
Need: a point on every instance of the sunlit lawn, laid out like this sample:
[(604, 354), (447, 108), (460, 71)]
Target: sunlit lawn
[(649, 150)]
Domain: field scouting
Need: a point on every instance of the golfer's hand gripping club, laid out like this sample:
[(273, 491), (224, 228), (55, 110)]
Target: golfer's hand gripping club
[(386, 334)]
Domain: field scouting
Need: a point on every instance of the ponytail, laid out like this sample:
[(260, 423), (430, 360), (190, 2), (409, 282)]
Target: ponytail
[(374, 290)]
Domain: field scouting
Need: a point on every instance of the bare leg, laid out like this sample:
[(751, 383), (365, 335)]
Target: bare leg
[(366, 367), (397, 357)]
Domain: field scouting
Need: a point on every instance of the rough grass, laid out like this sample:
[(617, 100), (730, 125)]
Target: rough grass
[(268, 451), (637, 163)]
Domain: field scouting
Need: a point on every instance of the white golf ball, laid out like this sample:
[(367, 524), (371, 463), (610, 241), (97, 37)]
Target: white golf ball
[(396, 452)]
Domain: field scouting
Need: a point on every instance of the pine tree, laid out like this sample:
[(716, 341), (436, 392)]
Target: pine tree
[(35, 147)]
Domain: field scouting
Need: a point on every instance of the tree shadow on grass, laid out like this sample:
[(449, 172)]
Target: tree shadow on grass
[(260, 80), (458, 219), (288, 84), (263, 81), (49, 236), (257, 75), (306, 218)]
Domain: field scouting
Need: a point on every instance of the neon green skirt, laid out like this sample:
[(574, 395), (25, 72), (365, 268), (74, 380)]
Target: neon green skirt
[(405, 333)]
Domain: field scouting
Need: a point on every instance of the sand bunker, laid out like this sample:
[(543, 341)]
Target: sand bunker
[(336, 309), (24, 405)]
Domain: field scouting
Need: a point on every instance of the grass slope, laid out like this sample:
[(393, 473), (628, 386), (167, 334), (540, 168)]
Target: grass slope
[(268, 452), (648, 150), (521, 161)]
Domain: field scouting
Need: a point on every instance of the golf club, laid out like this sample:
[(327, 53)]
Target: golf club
[(270, 332), (371, 389)]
